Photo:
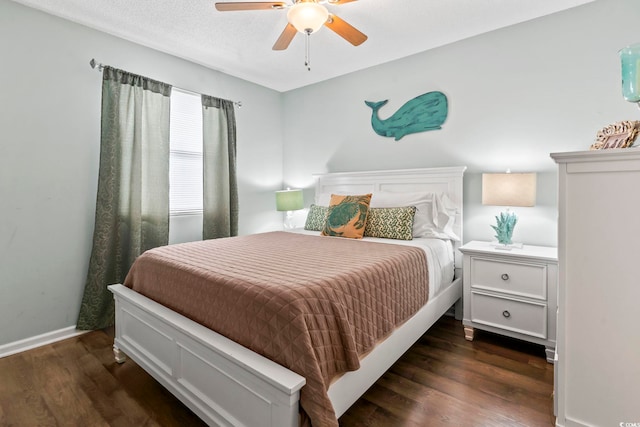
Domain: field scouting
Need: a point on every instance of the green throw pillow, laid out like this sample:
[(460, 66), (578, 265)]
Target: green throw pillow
[(390, 223), (316, 218)]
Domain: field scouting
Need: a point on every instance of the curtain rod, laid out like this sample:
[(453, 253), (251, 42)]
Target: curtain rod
[(99, 66)]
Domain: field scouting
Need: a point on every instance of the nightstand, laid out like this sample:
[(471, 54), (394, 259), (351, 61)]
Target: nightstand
[(511, 292)]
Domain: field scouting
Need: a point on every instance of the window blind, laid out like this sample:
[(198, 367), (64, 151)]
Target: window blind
[(185, 161)]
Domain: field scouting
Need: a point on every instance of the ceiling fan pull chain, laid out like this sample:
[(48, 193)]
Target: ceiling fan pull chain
[(307, 56)]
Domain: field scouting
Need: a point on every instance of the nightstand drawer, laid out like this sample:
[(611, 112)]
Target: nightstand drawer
[(525, 279), (517, 316)]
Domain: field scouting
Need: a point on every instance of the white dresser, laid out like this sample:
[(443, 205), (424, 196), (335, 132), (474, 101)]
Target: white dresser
[(597, 372), (511, 292)]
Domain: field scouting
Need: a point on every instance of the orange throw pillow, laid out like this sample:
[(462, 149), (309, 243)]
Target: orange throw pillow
[(347, 216)]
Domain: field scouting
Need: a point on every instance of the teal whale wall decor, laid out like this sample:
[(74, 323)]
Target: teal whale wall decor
[(422, 113)]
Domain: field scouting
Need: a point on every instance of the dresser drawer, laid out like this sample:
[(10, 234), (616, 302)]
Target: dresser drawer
[(525, 279), (517, 316)]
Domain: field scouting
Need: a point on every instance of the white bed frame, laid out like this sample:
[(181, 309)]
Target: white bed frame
[(225, 383)]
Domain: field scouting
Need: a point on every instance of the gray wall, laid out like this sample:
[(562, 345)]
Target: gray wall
[(49, 151), (515, 95)]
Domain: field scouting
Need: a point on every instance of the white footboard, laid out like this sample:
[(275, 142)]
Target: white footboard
[(222, 382)]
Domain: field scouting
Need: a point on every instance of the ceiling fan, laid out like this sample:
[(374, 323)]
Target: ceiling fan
[(305, 16)]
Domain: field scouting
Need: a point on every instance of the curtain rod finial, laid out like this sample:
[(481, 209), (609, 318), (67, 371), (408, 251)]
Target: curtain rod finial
[(95, 64)]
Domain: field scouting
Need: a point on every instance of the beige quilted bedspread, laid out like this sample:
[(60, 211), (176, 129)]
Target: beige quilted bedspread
[(313, 304)]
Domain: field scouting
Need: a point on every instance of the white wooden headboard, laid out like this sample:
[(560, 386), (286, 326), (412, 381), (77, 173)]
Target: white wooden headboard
[(436, 180)]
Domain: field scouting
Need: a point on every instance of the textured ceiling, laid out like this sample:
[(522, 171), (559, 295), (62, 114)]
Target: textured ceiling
[(239, 43)]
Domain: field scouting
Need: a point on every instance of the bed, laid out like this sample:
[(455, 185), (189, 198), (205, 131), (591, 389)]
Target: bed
[(225, 383)]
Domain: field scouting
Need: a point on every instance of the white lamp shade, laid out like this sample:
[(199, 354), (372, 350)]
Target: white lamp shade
[(509, 189), (307, 17), (289, 200)]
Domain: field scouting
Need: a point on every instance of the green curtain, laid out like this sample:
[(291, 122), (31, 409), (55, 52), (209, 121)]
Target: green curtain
[(220, 218), (132, 207)]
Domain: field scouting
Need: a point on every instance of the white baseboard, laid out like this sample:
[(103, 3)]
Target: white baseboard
[(39, 340)]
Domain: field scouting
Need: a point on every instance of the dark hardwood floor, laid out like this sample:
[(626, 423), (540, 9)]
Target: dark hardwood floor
[(442, 380)]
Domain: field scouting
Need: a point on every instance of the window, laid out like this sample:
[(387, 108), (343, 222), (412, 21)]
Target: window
[(185, 161)]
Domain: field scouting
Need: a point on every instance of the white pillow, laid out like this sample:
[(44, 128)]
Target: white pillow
[(446, 216), (435, 213)]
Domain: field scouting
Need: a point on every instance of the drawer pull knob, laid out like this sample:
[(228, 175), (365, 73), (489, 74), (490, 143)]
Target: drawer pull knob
[(506, 314), (505, 276)]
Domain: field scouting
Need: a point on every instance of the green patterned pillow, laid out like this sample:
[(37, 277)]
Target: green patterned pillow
[(347, 216), (391, 223), (316, 218)]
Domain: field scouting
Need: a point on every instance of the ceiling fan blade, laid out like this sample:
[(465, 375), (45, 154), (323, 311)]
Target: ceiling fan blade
[(340, 1), (247, 5), (285, 38), (345, 30)]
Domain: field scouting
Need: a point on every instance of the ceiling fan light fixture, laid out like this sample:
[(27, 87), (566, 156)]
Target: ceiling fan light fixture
[(307, 17)]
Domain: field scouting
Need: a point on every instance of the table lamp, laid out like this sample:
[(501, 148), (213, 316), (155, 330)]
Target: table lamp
[(288, 201), (510, 190)]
